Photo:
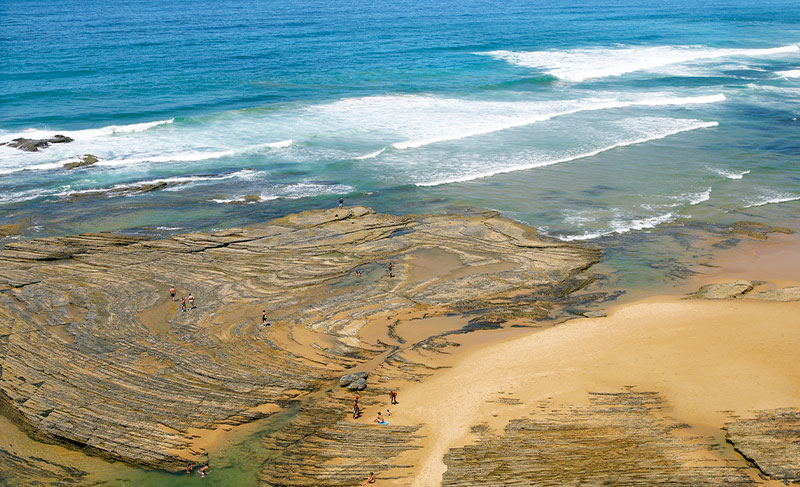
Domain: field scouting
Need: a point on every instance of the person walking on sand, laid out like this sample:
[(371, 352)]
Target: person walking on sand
[(183, 304), (356, 409), (393, 397), (370, 479), (172, 293), (190, 299)]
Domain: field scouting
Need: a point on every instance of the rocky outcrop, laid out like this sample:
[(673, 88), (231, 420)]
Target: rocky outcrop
[(756, 230), (620, 439), (742, 289), (12, 229), (724, 290), (96, 355), (33, 145), (83, 161), (770, 441)]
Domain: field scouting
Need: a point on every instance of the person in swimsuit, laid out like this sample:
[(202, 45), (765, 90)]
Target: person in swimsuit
[(388, 413), (393, 396), (189, 468), (172, 293), (190, 299), (341, 202), (203, 470), (380, 419), (370, 479), (183, 304)]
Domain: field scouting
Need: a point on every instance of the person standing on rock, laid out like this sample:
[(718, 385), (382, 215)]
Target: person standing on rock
[(264, 321), (182, 302), (341, 202), (190, 299), (393, 397), (172, 293)]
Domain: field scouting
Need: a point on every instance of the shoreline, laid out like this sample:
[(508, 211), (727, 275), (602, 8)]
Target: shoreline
[(432, 344)]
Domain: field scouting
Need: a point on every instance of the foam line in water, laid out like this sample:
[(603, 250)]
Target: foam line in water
[(372, 155), (86, 133), (591, 106), (771, 198), (582, 64), (729, 174), (620, 226), (469, 177), (289, 191), (194, 156)]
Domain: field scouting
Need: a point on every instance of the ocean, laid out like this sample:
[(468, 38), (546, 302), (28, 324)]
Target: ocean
[(587, 120)]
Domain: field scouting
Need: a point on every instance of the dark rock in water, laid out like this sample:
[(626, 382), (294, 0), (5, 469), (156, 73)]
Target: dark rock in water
[(10, 229), (350, 378), (33, 145), (85, 160), (756, 230), (358, 385)]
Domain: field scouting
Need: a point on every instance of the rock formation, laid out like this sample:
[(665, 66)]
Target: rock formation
[(83, 161), (94, 353), (770, 441), (33, 145)]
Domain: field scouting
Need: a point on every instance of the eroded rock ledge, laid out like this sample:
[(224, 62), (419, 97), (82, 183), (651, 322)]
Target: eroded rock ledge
[(95, 354)]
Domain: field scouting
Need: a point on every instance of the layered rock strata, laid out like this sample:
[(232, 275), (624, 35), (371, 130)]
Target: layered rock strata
[(620, 439), (94, 353)]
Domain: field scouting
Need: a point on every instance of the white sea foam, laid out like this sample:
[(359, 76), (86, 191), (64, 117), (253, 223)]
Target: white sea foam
[(194, 156), (691, 125), (772, 197), (729, 174), (290, 191), (792, 73), (372, 155), (620, 226), (697, 198), (86, 133), (582, 64), (583, 106)]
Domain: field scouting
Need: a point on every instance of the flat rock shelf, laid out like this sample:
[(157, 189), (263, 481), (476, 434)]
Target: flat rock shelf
[(95, 354)]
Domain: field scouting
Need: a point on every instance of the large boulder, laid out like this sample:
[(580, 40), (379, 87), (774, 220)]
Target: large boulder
[(357, 385), (350, 378), (85, 160)]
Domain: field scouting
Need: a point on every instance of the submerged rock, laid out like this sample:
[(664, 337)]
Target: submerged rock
[(95, 354), (33, 145), (85, 160), (756, 229)]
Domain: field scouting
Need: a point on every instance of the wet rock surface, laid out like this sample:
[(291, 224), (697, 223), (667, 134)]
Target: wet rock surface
[(756, 230), (33, 145), (771, 442), (83, 161), (620, 439), (94, 353)]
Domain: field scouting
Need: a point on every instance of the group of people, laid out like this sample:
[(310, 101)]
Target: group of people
[(203, 470), (388, 267), (380, 419), (186, 303)]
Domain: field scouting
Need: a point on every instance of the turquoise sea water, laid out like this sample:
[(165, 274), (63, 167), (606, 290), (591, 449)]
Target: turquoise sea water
[(584, 119), (596, 121)]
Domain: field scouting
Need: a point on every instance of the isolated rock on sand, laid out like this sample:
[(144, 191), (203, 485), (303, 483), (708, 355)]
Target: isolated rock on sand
[(723, 291), (94, 354), (358, 385), (346, 380), (33, 145), (791, 293), (85, 160)]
